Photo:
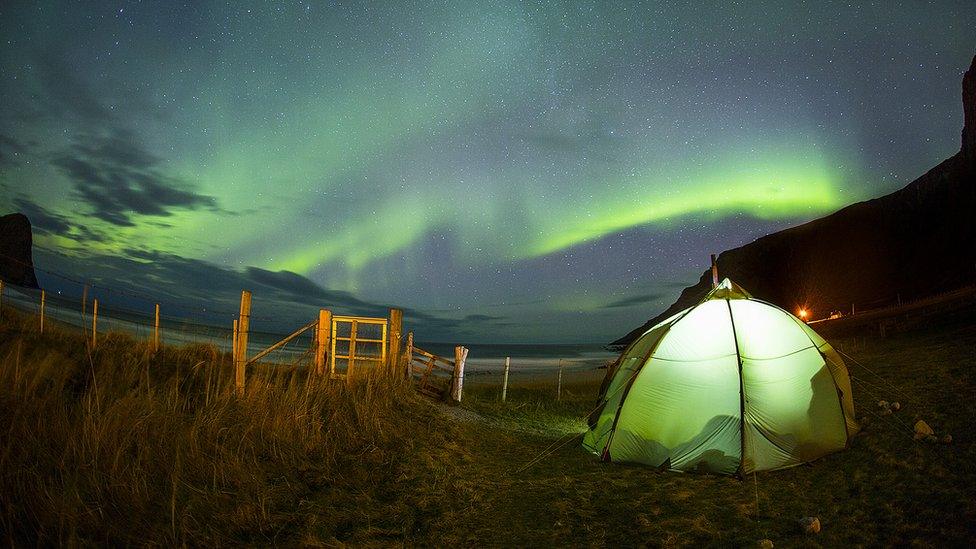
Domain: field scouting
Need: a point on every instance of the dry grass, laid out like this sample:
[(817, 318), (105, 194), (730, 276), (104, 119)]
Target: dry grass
[(119, 446)]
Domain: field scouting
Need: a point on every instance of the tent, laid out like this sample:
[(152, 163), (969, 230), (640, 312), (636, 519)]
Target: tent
[(731, 385)]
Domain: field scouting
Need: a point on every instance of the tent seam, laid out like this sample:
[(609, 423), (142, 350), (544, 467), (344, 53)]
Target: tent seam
[(742, 394), (840, 401), (843, 414)]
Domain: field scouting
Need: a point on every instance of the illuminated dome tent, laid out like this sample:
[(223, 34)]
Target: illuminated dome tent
[(731, 385)]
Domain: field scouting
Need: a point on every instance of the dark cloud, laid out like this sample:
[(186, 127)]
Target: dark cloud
[(482, 318), (635, 300), (118, 178), (45, 221), (42, 220), (295, 287), (209, 294)]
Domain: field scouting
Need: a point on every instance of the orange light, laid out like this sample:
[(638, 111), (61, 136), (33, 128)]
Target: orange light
[(803, 313)]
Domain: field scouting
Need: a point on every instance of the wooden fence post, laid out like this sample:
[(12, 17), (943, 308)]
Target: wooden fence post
[(396, 328), (559, 382), (42, 310), (156, 330), (240, 358), (457, 380), (323, 333), (84, 301), (351, 361), (409, 355), (233, 343), (508, 362), (94, 322)]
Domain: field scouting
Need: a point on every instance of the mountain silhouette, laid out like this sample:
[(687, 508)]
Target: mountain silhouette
[(911, 243), (16, 263)]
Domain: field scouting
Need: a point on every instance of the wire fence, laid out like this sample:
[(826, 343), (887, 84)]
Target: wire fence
[(78, 312)]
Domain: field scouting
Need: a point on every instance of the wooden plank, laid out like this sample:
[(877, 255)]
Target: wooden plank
[(559, 382), (243, 323), (352, 346), (383, 348), (156, 330), (419, 351), (457, 379), (430, 366), (409, 352), (396, 328), (362, 340), (281, 343), (361, 358), (43, 295), (360, 319), (332, 348), (94, 340), (322, 334)]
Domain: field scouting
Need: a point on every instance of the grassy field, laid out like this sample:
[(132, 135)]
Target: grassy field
[(128, 448)]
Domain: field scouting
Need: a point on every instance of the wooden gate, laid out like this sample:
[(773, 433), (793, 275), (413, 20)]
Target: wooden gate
[(357, 341), (437, 377)]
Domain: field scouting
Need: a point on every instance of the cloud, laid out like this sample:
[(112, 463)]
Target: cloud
[(209, 294), (296, 288), (118, 179), (45, 221), (634, 300), (482, 318)]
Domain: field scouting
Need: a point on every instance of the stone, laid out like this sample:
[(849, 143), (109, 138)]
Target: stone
[(922, 430), (810, 525)]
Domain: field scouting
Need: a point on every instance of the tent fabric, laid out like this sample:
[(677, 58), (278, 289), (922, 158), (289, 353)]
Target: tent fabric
[(732, 385)]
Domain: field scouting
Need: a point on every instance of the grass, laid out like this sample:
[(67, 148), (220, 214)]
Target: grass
[(119, 447), (124, 447)]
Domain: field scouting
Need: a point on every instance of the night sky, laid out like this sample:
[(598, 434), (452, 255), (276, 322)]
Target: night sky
[(507, 172)]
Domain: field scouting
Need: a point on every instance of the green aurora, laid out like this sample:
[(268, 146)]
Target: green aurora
[(550, 172)]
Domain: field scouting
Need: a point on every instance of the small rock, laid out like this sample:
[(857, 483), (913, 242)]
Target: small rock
[(886, 412), (922, 430), (883, 404), (896, 406), (947, 439), (810, 525), (765, 544)]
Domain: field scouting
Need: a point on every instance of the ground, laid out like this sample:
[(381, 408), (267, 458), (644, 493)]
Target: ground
[(887, 489)]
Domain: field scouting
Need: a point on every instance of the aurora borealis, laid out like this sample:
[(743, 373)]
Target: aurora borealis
[(509, 171)]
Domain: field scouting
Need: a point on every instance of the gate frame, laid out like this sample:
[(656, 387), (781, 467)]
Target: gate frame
[(350, 355)]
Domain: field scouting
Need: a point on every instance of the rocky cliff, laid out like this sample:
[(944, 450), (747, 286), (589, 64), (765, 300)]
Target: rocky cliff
[(16, 263), (914, 242)]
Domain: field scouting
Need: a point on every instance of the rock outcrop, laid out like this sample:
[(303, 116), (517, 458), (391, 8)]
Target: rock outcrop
[(911, 243), (969, 110), (16, 261)]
